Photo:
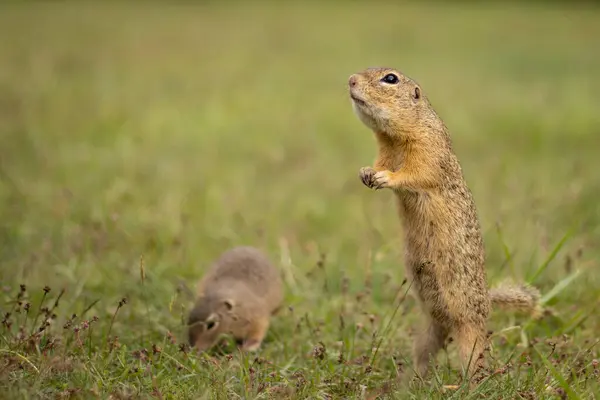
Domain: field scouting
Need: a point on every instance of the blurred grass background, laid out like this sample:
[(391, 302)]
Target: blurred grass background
[(176, 131)]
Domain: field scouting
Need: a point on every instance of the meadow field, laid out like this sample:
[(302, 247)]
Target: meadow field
[(138, 141)]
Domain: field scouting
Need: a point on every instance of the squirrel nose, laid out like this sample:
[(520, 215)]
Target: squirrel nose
[(353, 80)]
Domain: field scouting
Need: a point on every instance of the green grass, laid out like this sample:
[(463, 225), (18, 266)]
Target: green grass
[(174, 132)]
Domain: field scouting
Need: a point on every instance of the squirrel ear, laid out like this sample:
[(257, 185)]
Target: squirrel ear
[(228, 304), (417, 93), (212, 318)]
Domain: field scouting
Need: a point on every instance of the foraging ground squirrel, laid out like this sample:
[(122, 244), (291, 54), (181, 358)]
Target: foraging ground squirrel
[(237, 296), (444, 249)]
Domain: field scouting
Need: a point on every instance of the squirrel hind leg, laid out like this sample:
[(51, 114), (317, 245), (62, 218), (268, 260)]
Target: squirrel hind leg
[(427, 345), (472, 341)]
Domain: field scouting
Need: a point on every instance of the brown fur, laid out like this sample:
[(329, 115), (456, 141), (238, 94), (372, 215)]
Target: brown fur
[(444, 249), (519, 296), (237, 296)]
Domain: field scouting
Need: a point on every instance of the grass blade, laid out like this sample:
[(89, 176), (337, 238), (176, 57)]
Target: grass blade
[(559, 287), (507, 254), (558, 376), (578, 320), (551, 257)]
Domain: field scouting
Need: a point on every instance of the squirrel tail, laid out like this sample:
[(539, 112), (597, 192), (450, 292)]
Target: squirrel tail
[(521, 296)]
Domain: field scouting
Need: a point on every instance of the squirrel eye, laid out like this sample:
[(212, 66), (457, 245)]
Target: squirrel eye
[(391, 79), (210, 325)]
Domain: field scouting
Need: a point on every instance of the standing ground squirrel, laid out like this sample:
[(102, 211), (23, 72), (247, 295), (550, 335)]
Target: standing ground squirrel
[(444, 249), (237, 296)]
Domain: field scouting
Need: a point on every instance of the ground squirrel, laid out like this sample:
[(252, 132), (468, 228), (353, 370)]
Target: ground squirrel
[(237, 296), (444, 249)]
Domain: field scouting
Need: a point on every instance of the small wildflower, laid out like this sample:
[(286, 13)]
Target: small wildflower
[(6, 322), (171, 337), (114, 343), (319, 351), (21, 293), (43, 327), (345, 282)]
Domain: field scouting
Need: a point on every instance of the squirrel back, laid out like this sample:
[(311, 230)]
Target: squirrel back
[(246, 266)]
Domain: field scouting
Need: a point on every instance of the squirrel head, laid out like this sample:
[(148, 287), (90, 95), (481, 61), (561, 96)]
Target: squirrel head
[(387, 101), (208, 320)]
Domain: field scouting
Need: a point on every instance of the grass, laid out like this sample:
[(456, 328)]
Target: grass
[(140, 141)]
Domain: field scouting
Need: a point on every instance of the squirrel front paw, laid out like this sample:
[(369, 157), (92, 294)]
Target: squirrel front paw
[(373, 179), (251, 345), (366, 175)]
